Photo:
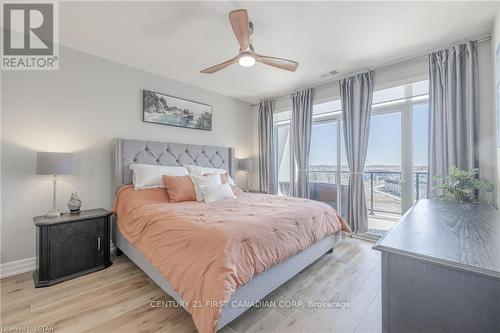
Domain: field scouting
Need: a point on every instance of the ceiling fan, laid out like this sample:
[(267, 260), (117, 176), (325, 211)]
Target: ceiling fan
[(247, 57)]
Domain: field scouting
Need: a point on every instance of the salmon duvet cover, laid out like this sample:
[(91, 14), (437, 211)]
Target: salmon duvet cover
[(207, 250)]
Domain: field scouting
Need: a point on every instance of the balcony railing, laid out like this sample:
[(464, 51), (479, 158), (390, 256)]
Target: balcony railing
[(383, 189)]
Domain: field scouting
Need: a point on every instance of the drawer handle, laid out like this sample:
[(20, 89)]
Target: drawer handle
[(99, 243)]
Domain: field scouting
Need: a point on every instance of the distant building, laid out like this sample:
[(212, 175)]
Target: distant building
[(393, 186)]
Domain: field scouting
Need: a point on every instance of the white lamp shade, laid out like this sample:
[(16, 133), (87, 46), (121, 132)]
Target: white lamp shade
[(48, 163), (245, 164)]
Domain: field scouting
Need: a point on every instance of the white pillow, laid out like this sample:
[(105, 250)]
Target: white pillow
[(198, 181), (150, 176), (215, 193), (200, 171)]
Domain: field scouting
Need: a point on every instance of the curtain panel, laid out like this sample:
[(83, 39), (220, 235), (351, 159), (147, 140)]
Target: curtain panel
[(267, 162), (302, 109), (356, 94), (453, 110)]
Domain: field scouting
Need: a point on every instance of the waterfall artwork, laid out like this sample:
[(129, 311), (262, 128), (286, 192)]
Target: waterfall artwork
[(163, 109)]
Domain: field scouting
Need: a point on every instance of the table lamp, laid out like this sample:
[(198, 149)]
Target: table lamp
[(54, 164), (246, 164)]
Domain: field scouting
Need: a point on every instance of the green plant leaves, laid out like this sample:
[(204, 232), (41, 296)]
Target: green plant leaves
[(462, 185)]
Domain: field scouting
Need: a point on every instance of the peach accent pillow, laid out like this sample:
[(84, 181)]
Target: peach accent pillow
[(224, 178), (179, 188)]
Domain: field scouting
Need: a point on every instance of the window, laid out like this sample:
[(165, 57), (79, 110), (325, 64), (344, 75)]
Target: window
[(331, 107), (327, 155), (283, 158), (388, 96), (395, 172), (383, 165), (325, 124), (281, 122), (323, 162), (420, 148)]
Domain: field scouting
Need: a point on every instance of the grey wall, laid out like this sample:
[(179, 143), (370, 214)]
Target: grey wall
[(79, 109)]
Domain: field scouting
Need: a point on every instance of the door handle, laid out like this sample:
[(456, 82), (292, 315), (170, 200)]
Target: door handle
[(98, 243)]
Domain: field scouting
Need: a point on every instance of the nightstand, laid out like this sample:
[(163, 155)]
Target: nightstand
[(70, 245)]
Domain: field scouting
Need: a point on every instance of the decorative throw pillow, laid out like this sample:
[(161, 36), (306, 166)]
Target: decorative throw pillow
[(179, 188), (224, 178), (150, 176), (200, 171), (210, 179), (215, 193)]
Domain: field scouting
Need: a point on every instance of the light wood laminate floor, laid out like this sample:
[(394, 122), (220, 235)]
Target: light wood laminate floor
[(118, 299)]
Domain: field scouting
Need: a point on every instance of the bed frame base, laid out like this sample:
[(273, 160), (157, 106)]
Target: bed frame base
[(255, 290)]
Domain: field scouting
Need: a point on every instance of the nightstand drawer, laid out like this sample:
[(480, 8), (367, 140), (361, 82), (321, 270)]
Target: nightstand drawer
[(75, 247)]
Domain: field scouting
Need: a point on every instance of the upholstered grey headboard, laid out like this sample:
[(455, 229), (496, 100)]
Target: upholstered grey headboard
[(127, 152)]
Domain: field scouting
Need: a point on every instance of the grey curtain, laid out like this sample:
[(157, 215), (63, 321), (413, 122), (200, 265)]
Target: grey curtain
[(453, 110), (356, 94), (267, 165), (302, 109)]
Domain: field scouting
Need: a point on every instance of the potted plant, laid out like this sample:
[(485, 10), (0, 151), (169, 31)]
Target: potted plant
[(462, 185)]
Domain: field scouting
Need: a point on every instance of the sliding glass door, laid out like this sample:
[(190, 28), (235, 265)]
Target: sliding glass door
[(396, 163), (383, 171), (282, 149), (327, 161), (395, 174), (325, 165)]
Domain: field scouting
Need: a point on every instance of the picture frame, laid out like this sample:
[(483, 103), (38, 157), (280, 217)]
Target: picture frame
[(163, 109)]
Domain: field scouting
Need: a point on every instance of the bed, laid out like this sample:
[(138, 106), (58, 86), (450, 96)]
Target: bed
[(242, 284)]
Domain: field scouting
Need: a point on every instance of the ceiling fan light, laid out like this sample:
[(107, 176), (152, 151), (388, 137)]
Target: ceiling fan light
[(246, 60)]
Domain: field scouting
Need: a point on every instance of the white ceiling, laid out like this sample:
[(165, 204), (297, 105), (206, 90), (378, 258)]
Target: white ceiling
[(178, 39)]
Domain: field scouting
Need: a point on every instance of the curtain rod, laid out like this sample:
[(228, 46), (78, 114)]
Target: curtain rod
[(380, 66)]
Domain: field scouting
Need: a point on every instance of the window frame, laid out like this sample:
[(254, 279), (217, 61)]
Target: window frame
[(334, 116), (403, 105)]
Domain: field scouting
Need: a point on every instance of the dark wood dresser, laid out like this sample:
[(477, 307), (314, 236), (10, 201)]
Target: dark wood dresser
[(70, 246), (441, 269)]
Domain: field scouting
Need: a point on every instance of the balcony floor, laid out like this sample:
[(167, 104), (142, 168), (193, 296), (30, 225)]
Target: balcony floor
[(379, 224)]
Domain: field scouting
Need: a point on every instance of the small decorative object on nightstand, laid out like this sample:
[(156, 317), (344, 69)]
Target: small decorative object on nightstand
[(70, 246), (74, 204)]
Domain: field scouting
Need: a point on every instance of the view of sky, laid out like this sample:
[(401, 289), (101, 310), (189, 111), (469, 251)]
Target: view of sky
[(384, 147)]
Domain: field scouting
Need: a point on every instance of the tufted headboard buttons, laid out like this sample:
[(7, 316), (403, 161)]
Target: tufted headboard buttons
[(127, 152)]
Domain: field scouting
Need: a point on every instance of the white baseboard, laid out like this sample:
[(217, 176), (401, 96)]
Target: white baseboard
[(17, 267)]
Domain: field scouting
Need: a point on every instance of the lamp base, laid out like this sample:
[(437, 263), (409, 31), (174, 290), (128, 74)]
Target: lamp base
[(53, 213)]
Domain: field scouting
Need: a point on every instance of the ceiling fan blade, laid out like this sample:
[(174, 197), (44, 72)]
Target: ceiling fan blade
[(288, 65), (239, 23), (220, 66)]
